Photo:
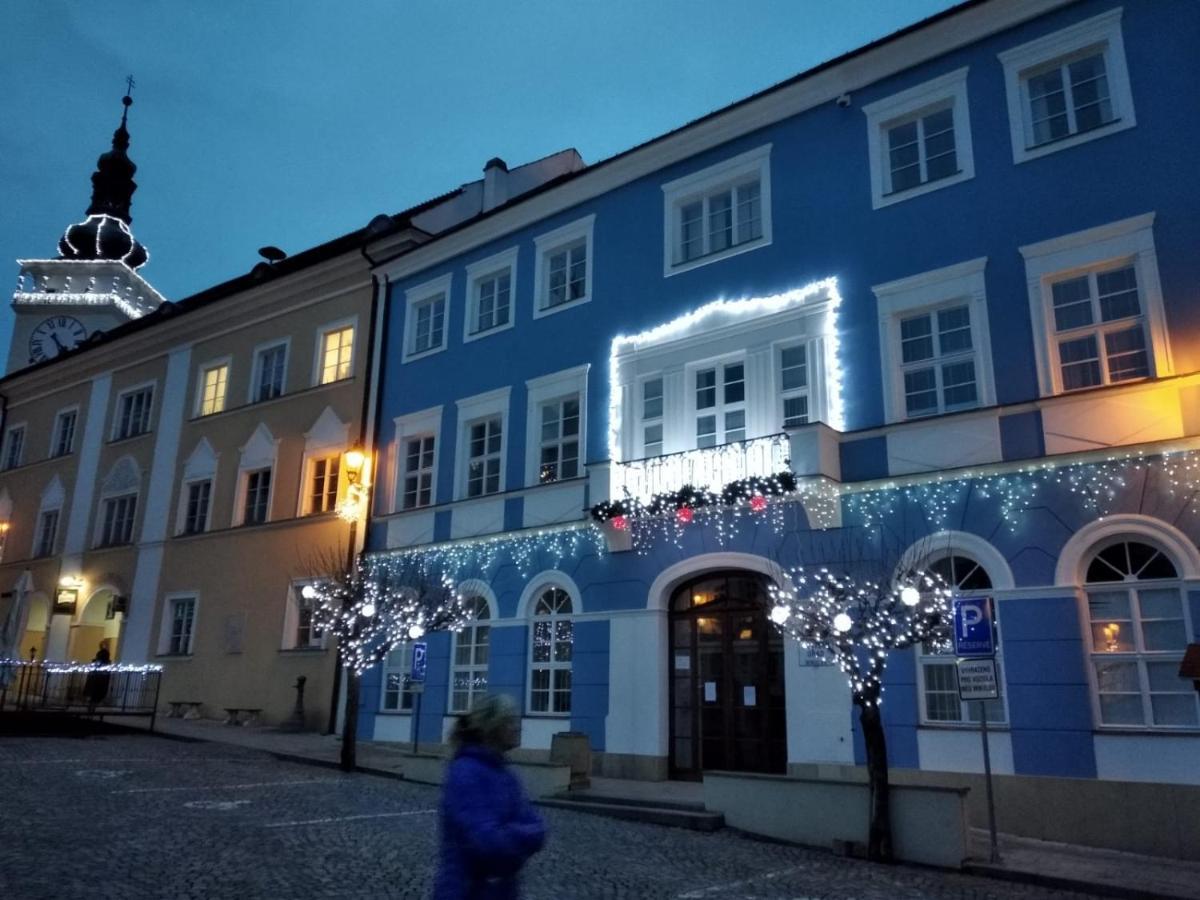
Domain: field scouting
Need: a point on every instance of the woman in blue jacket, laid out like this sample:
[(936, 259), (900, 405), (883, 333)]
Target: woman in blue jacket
[(488, 827)]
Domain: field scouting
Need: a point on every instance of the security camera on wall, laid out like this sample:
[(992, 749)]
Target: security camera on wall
[(843, 101)]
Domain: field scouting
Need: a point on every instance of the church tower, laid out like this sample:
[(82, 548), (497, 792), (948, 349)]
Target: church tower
[(93, 284)]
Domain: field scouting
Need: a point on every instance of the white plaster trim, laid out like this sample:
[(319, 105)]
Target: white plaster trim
[(1074, 254), (708, 181), (926, 292), (543, 389), (960, 543), (409, 427), (946, 90), (476, 272), (1102, 30), (548, 243), (543, 580), (1070, 569), (475, 587), (659, 596), (413, 298)]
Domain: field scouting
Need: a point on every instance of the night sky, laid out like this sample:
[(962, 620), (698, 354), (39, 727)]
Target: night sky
[(290, 122)]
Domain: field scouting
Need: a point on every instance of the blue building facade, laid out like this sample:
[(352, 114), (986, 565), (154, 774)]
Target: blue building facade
[(948, 282)]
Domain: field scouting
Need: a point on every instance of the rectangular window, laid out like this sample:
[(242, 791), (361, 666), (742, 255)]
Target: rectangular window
[(484, 457), (323, 488), (397, 668), (133, 413), (493, 301), (652, 417), (922, 150), (258, 493), (213, 383), (430, 323), (47, 532), (418, 472), (566, 275), (307, 633), (1068, 97), (720, 404), (942, 705), (337, 352), (183, 618), (717, 221), (195, 518), (793, 385), (559, 440), (1099, 328), (64, 433), (270, 372), (117, 527), (937, 362), (14, 449), (469, 674)]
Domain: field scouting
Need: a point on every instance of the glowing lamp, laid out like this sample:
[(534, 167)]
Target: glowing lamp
[(842, 623), (368, 610), (620, 523), (780, 614), (354, 460), (685, 514), (909, 595), (416, 632), (308, 592), (758, 503)]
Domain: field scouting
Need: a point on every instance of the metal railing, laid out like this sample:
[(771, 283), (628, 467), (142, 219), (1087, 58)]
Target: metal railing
[(710, 467), (79, 688)]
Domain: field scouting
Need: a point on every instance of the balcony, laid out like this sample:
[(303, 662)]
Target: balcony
[(711, 467)]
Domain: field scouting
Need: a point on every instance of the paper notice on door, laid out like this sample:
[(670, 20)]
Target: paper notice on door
[(710, 692), (683, 662), (749, 696)]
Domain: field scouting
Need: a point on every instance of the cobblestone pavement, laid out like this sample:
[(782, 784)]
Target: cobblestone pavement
[(143, 817)]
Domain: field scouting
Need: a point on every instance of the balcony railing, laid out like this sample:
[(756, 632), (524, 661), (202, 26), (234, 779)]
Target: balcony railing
[(711, 468), (79, 688)]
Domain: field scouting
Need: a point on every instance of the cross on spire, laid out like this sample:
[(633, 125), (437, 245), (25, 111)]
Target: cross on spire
[(129, 84)]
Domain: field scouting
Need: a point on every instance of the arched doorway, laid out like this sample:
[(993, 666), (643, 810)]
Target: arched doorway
[(726, 692), (97, 624)]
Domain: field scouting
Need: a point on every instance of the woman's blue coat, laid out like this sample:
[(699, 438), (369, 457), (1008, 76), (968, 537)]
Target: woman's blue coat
[(488, 829)]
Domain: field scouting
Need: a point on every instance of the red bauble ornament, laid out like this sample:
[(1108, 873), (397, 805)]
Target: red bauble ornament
[(620, 523), (685, 514), (758, 503)]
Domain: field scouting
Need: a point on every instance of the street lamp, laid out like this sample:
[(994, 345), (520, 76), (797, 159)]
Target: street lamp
[(356, 465)]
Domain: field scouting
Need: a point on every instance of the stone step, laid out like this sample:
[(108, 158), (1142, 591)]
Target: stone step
[(578, 796), (694, 819)]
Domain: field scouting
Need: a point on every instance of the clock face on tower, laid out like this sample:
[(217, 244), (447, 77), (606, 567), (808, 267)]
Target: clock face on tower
[(54, 336)]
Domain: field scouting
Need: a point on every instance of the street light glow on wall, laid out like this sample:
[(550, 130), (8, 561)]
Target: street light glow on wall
[(357, 466)]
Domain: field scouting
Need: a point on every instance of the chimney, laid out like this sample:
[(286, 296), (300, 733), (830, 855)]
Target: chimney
[(495, 183)]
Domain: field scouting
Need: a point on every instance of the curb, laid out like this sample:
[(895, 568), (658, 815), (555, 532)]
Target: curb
[(1059, 882)]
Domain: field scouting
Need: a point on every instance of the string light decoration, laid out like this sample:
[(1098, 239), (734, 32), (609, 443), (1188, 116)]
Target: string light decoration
[(370, 609), (71, 668), (855, 624)]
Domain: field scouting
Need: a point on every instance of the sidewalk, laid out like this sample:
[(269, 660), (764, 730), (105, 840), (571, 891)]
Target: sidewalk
[(1104, 872)]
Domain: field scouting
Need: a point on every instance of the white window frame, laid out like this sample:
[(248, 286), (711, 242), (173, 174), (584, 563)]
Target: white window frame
[(425, 423), (704, 183), (470, 589), (1181, 583), (102, 516), (720, 409), (471, 410), (318, 638), (166, 626), (59, 417), (244, 493), (811, 392), (253, 459), (477, 272), (309, 470), (1100, 32), (256, 368), (212, 365), (644, 422), (545, 245), (544, 389), (550, 665), (405, 698), (38, 532), (10, 435), (1103, 247), (115, 434), (949, 90), (185, 499), (957, 285), (418, 296), (323, 332)]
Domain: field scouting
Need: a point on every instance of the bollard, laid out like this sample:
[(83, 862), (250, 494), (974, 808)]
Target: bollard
[(296, 721)]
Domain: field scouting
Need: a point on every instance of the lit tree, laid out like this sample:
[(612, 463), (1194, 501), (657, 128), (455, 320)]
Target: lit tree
[(372, 606), (855, 624)]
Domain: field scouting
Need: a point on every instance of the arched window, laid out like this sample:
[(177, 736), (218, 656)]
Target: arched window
[(551, 644), (469, 679), (940, 701), (1138, 627)]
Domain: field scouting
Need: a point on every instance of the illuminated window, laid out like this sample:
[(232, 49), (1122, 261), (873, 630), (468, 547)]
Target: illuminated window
[(1138, 627), (718, 211), (337, 354), (213, 383), (551, 645), (1068, 87), (323, 484), (469, 673), (563, 275)]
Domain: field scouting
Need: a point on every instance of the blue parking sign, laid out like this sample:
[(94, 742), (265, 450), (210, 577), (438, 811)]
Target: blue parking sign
[(418, 662), (973, 631)]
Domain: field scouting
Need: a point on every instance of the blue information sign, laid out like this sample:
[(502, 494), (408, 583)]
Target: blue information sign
[(974, 634), (418, 662)]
